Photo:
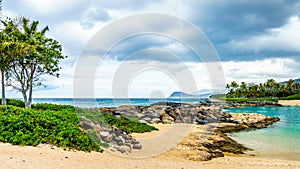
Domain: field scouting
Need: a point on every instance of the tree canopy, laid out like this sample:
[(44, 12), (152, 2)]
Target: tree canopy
[(29, 56), (270, 88)]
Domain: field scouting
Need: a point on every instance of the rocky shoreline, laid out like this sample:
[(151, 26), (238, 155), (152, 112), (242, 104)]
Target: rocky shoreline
[(208, 114)]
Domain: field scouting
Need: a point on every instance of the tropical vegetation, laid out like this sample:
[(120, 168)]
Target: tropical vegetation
[(26, 54), (58, 125), (270, 90)]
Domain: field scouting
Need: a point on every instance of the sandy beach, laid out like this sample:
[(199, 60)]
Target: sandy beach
[(289, 102), (47, 157)]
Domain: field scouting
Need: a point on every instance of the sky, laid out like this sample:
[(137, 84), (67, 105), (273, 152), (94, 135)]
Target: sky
[(253, 41)]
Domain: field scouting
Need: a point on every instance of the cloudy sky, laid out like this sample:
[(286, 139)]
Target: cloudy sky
[(254, 40)]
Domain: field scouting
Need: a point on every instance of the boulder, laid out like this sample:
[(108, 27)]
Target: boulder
[(137, 146)]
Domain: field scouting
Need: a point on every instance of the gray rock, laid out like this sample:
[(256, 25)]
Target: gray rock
[(155, 120), (86, 125), (137, 146), (147, 119), (125, 149), (104, 133), (155, 115)]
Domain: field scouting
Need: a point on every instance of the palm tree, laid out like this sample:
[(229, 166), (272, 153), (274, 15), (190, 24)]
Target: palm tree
[(271, 87), (4, 61), (6, 46), (244, 89), (9, 48), (0, 7), (41, 55)]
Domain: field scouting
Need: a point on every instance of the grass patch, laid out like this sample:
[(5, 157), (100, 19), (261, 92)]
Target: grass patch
[(242, 100), (220, 97), (292, 97)]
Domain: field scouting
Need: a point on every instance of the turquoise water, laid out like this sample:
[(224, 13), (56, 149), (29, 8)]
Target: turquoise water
[(281, 140)]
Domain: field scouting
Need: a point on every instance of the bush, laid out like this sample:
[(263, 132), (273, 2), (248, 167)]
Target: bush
[(22, 126), (241, 100), (54, 107), (292, 97), (14, 102), (126, 124)]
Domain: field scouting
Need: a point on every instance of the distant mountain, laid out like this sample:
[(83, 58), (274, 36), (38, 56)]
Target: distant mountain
[(295, 80), (182, 95), (203, 93)]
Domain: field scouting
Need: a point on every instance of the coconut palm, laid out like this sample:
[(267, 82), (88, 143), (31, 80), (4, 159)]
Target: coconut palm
[(40, 55)]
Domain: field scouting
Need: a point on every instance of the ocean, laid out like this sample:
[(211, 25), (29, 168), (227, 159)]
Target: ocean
[(281, 140), (109, 102)]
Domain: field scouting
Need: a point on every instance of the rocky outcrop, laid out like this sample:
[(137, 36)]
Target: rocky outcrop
[(167, 112), (116, 139), (210, 141), (251, 103), (203, 114)]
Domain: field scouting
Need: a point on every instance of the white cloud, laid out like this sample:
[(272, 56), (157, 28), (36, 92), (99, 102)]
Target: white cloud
[(73, 23), (259, 71), (285, 38)]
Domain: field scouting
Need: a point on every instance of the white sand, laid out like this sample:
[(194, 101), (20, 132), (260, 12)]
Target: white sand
[(289, 102), (43, 156)]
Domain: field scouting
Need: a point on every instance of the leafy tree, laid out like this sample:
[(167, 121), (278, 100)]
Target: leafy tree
[(3, 63), (6, 50), (269, 89), (41, 57), (9, 48)]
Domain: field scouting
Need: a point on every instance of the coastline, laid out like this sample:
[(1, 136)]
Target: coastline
[(48, 157), (289, 102)]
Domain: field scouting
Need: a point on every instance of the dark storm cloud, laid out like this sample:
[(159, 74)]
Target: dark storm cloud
[(224, 20)]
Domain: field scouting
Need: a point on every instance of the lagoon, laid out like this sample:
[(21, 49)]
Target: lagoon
[(281, 140)]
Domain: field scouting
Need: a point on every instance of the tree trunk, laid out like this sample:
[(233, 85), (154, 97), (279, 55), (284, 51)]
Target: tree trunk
[(25, 99), (3, 102), (29, 97)]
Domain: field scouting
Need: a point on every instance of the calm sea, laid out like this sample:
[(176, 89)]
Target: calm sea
[(109, 102), (281, 140)]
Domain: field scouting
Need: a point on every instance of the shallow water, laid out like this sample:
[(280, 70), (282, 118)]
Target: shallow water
[(281, 140)]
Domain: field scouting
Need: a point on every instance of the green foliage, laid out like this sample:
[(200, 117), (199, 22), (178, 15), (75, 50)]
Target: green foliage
[(126, 124), (54, 107), (14, 102), (58, 125), (22, 126), (241, 100), (221, 97), (292, 97), (269, 89), (27, 55)]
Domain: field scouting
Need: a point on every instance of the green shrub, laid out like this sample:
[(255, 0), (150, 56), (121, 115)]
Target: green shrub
[(292, 97), (14, 102), (22, 126), (241, 100), (54, 107), (126, 124)]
